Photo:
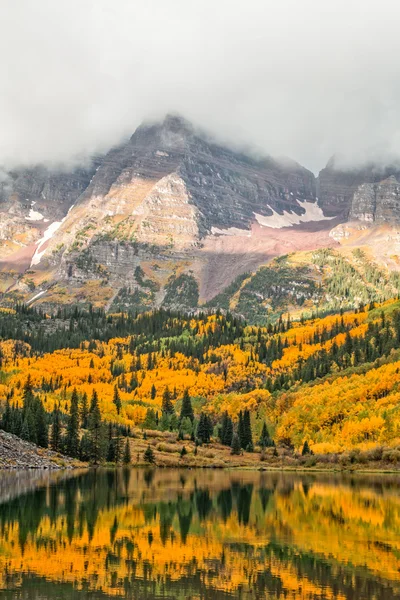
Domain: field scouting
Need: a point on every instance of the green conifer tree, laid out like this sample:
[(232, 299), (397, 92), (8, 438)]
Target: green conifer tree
[(226, 430), (117, 447), (96, 433), (72, 437), (127, 453), (235, 447), (247, 431), (241, 431), (186, 409), (6, 419), (265, 439), (41, 425), (117, 400), (55, 439), (167, 406), (84, 412), (149, 455)]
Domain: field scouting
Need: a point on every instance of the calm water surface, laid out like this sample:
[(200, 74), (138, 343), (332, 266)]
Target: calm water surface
[(198, 534)]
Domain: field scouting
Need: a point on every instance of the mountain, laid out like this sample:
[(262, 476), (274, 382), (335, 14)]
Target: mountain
[(171, 218), (168, 216), (336, 184)]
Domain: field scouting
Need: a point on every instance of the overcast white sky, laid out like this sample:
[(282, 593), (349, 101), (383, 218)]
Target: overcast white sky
[(304, 78)]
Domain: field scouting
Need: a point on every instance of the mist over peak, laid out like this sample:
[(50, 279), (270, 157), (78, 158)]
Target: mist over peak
[(300, 79)]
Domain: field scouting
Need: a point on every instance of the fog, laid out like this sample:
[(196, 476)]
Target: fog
[(300, 78)]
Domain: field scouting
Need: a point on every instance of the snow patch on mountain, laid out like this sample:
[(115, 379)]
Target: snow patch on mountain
[(34, 215), (276, 221), (48, 234)]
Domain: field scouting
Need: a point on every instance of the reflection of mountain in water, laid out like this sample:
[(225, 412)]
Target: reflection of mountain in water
[(171, 534)]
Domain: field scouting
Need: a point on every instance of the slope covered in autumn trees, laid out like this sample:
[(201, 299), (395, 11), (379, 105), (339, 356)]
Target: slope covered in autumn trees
[(331, 382)]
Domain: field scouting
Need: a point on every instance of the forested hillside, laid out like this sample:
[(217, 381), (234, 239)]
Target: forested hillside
[(324, 385), (318, 282)]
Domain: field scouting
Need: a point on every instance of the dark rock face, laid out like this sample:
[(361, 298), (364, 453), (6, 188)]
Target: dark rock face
[(377, 202), (336, 187), (225, 186), (53, 192), (228, 188)]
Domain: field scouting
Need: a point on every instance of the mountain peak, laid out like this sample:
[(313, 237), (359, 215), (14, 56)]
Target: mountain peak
[(170, 131), (177, 123)]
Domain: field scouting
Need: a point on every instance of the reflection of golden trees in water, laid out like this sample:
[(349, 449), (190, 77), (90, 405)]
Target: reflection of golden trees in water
[(184, 531)]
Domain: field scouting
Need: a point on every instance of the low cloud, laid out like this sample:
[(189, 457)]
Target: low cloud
[(299, 78)]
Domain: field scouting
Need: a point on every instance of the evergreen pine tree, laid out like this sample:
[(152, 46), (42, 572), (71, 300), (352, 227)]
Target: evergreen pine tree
[(133, 383), (93, 401), (117, 447), (150, 421), (306, 449), (241, 431), (153, 392), (265, 439), (29, 425), (25, 431), (235, 447), (127, 453), (226, 431), (167, 406), (6, 419), (72, 437), (209, 427), (201, 428), (247, 431), (117, 400), (27, 393), (95, 427), (55, 439), (110, 444), (186, 409), (204, 428), (84, 447), (42, 429), (149, 455), (84, 411)]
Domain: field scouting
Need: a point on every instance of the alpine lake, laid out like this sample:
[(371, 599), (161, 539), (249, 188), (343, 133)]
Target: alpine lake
[(199, 534)]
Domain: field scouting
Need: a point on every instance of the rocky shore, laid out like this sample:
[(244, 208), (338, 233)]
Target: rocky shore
[(18, 454)]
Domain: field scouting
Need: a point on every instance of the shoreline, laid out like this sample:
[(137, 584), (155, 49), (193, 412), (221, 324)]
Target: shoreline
[(168, 452), (145, 466)]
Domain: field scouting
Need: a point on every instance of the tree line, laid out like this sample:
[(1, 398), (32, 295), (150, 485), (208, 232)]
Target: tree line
[(80, 434)]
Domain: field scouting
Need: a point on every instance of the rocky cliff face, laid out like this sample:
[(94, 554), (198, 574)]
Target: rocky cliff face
[(51, 192), (31, 198), (336, 186), (377, 202), (175, 186)]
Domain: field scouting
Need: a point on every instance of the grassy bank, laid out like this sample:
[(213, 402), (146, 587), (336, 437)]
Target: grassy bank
[(167, 452)]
